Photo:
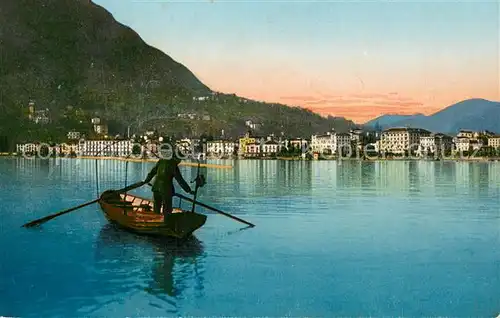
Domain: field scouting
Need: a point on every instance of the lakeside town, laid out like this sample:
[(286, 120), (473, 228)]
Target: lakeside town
[(396, 142)]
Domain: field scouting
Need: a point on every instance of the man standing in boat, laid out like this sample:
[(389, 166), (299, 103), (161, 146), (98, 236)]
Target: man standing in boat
[(166, 170)]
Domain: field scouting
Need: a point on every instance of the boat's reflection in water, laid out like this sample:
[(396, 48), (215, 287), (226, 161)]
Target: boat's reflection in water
[(162, 267)]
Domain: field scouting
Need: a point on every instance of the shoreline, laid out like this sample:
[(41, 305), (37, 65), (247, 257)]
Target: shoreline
[(184, 163)]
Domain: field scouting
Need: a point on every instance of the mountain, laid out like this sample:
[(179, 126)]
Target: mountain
[(474, 114), (71, 50), (74, 59), (389, 120)]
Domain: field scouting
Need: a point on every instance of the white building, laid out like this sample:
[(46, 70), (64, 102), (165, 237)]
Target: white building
[(252, 125), (463, 144), (427, 145), (342, 140), (74, 135), (225, 147), (435, 144), (465, 133), (253, 149), (67, 148), (400, 140), (101, 129), (297, 143), (29, 148), (494, 141), (330, 143), (105, 148), (185, 144), (322, 143), (270, 148)]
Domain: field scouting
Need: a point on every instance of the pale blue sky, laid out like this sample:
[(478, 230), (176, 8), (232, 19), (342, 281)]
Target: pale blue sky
[(271, 50)]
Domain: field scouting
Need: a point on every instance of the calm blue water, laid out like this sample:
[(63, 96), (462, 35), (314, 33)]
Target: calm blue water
[(332, 239)]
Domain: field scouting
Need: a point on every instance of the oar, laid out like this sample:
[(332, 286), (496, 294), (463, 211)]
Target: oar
[(211, 208), (52, 216), (214, 209)]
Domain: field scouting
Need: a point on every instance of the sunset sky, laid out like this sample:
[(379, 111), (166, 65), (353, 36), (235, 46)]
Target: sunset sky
[(356, 59)]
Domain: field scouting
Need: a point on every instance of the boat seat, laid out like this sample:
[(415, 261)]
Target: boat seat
[(137, 202), (127, 198)]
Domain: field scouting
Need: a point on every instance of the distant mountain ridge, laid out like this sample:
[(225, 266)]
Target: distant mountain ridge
[(474, 114), (389, 119)]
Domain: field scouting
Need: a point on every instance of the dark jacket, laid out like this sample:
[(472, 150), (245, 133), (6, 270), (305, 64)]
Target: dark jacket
[(166, 171)]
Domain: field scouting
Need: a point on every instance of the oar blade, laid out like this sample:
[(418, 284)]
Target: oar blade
[(214, 209), (52, 216), (39, 222)]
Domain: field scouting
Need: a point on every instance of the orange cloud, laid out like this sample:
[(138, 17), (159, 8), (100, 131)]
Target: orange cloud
[(362, 106), (335, 101), (398, 103), (299, 98), (370, 96)]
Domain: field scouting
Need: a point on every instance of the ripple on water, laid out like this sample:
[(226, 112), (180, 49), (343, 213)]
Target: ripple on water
[(350, 239)]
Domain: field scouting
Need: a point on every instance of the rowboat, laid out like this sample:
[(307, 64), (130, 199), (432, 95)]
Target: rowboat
[(135, 214)]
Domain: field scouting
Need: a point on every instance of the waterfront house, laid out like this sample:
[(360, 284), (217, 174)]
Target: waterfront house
[(401, 139), (343, 142), (462, 143), (221, 147), (465, 144), (105, 148), (27, 149), (296, 143), (253, 150), (322, 143), (270, 148), (185, 144), (435, 144), (494, 141), (330, 143), (246, 140)]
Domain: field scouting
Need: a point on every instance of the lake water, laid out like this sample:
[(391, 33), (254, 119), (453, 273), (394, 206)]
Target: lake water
[(331, 239)]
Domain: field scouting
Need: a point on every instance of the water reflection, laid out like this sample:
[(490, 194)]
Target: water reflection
[(416, 258), (276, 178), (405, 178), (260, 178), (169, 267)]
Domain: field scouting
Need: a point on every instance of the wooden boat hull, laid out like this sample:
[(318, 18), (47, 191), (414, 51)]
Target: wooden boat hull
[(135, 214)]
